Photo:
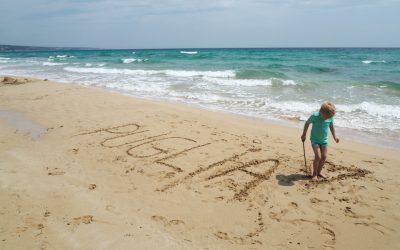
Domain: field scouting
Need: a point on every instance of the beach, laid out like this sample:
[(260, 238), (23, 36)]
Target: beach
[(86, 168), (278, 85)]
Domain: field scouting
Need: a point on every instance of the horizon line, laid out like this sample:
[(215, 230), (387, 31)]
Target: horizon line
[(203, 48)]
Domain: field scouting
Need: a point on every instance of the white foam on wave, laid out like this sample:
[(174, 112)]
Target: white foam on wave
[(367, 116), (106, 71), (177, 73), (251, 82), (88, 64), (293, 106), (128, 60), (192, 73), (373, 109), (368, 108), (370, 61), (239, 82), (208, 98), (52, 64), (189, 52), (131, 60), (288, 82), (62, 56), (4, 59)]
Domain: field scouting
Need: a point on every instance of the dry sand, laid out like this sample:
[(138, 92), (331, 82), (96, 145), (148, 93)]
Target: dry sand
[(83, 168)]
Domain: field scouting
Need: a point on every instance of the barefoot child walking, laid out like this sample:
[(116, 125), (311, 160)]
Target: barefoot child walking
[(320, 121)]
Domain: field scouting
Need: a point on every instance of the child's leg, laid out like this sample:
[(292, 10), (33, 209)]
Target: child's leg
[(317, 158), (324, 154)]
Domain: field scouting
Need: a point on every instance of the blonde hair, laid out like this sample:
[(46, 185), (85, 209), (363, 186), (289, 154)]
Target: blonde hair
[(328, 109)]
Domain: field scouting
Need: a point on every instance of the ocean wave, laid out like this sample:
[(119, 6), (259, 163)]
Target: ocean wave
[(395, 86), (128, 60), (4, 59), (251, 82), (239, 82), (372, 108), (52, 64), (131, 60), (370, 61), (184, 73), (88, 64), (259, 74), (293, 106), (197, 97), (314, 69), (289, 82), (189, 52), (61, 56), (177, 73)]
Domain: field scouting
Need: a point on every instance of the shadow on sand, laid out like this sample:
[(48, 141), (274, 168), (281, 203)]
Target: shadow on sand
[(288, 180)]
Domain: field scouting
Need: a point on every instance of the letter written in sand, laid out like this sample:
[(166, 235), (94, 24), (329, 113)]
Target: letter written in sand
[(168, 147), (140, 143)]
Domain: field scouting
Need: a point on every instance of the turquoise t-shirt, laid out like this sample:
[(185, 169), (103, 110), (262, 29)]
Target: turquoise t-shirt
[(320, 128)]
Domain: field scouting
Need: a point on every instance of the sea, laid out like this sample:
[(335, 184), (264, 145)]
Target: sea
[(283, 85)]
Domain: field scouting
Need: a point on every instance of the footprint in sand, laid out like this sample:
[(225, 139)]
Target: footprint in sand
[(350, 213), (222, 235), (166, 222), (55, 171), (278, 216), (86, 219), (316, 200)]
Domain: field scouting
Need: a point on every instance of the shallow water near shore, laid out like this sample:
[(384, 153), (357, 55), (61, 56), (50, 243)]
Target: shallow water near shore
[(281, 85)]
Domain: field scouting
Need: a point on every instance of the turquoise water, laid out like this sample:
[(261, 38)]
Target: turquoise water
[(275, 84)]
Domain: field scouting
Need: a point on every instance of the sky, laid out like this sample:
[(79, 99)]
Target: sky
[(120, 24)]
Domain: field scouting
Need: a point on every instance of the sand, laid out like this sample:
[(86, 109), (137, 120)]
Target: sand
[(84, 168)]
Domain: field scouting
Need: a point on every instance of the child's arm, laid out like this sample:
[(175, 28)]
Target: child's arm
[(332, 128), (303, 136)]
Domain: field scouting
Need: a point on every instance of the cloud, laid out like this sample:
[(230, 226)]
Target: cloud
[(186, 23)]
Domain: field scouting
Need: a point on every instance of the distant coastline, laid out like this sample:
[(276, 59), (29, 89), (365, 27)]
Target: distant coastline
[(25, 48), (22, 48)]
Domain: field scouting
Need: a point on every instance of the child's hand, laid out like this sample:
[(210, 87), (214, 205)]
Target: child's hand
[(337, 140), (303, 138)]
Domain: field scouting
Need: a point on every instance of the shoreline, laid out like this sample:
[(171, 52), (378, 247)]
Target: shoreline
[(113, 170), (360, 137)]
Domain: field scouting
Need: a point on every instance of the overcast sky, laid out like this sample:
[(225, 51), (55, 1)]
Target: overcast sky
[(200, 23)]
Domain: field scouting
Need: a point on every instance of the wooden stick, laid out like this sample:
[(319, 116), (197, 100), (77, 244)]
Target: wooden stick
[(305, 162)]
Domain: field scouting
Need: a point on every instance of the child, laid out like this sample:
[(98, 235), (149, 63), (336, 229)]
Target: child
[(319, 135)]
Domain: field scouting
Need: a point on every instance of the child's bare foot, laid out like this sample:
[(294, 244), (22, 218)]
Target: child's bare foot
[(321, 176), (314, 178)]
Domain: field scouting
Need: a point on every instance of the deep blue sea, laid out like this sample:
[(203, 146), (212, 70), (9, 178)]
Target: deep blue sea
[(284, 85)]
